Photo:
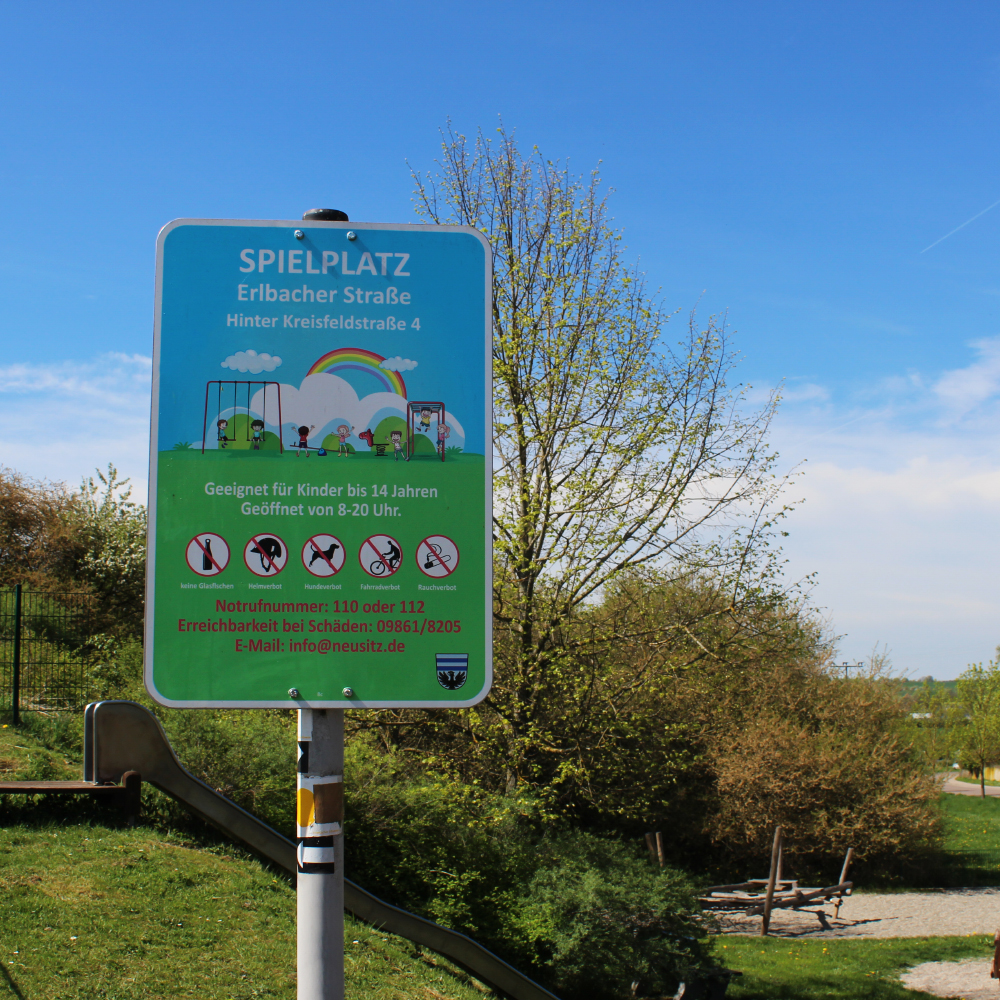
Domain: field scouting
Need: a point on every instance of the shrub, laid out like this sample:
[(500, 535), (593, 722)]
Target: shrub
[(587, 913), (248, 756), (829, 788), (605, 925), (828, 759), (447, 850), (91, 540)]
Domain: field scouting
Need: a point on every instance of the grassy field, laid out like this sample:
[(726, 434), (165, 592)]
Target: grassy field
[(972, 840), (90, 909), (94, 911), (777, 969)]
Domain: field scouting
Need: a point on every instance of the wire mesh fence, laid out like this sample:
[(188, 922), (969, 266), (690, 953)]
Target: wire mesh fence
[(44, 650)]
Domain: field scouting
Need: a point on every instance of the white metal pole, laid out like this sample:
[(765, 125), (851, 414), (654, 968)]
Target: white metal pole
[(320, 880)]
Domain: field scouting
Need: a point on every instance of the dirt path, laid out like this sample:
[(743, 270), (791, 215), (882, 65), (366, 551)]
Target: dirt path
[(969, 980), (955, 787)]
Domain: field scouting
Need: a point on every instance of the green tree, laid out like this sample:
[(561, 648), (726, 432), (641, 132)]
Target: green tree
[(625, 465), (979, 692), (37, 548), (934, 713)]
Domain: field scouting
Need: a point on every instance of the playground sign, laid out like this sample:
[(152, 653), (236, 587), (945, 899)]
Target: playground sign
[(320, 481)]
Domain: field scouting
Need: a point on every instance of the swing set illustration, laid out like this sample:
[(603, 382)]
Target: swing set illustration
[(228, 397), (414, 409)]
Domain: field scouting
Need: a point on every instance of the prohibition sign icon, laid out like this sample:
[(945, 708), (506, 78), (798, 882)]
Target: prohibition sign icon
[(265, 554), (323, 555), (380, 555), (207, 554), (437, 556)]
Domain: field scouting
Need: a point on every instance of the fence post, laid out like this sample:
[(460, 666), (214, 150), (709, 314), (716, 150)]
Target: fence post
[(15, 697)]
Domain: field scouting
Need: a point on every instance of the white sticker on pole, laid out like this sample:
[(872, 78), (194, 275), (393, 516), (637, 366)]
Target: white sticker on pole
[(320, 806)]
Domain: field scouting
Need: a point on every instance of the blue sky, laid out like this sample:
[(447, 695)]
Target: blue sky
[(787, 163)]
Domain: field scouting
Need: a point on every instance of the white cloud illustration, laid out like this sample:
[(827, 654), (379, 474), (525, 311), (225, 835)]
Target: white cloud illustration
[(398, 364), (323, 398), (251, 361)]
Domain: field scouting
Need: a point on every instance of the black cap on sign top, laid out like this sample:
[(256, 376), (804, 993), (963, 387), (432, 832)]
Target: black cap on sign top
[(325, 215)]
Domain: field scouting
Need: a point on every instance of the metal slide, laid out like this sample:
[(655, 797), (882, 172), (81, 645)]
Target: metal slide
[(122, 736)]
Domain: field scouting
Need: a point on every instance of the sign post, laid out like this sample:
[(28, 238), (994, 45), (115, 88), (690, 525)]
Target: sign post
[(319, 882), (320, 494)]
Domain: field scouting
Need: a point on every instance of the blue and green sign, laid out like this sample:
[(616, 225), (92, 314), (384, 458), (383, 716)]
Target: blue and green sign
[(319, 466)]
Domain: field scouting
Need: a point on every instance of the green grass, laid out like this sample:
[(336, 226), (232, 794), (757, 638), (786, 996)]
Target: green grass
[(24, 755), (852, 969), (91, 910), (972, 839), (94, 911), (971, 824)]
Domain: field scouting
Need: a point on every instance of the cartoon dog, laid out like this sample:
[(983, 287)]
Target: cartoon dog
[(319, 553)]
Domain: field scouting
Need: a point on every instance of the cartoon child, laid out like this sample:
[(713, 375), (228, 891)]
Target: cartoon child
[(221, 426), (303, 440), (397, 446), (343, 433), (425, 420), (443, 432), (257, 433)]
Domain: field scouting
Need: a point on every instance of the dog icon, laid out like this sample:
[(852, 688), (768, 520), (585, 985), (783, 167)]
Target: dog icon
[(319, 553)]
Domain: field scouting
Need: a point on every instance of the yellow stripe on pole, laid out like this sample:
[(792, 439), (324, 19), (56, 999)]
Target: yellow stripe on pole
[(306, 807)]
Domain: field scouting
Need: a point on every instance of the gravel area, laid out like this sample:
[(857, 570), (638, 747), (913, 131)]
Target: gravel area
[(969, 979), (948, 912)]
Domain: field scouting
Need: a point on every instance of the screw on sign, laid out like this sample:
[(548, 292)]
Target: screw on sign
[(323, 555), (380, 555), (207, 554), (265, 555), (437, 556)]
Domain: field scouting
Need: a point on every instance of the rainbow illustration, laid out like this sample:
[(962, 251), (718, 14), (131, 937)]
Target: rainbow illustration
[(355, 359)]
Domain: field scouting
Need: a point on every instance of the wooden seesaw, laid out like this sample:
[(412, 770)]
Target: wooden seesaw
[(762, 895)]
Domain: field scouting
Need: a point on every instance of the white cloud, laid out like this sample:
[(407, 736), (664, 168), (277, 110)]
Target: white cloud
[(964, 389), (805, 393), (906, 556), (902, 514), (323, 398), (398, 364), (64, 420), (251, 361)]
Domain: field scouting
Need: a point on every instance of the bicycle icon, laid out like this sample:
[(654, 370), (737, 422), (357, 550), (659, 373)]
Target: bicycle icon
[(380, 555)]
